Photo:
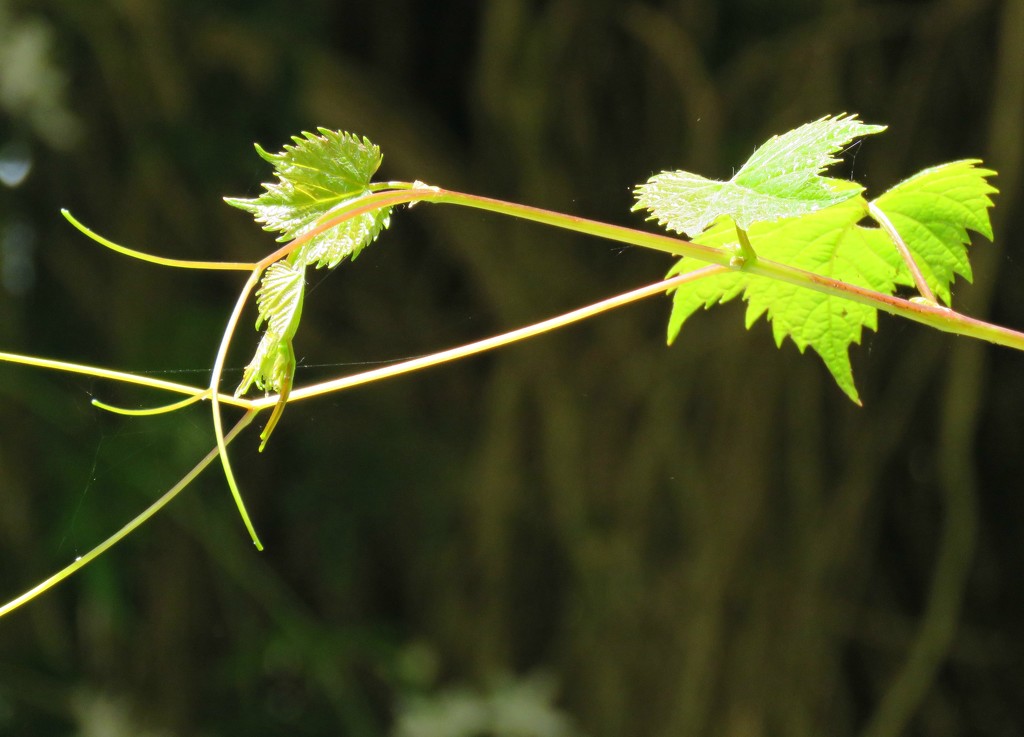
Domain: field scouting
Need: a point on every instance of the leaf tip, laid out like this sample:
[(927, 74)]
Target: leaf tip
[(264, 154)]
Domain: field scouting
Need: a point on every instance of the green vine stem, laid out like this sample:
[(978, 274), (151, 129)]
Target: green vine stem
[(123, 376), (218, 422), (118, 536), (158, 260), (452, 354)]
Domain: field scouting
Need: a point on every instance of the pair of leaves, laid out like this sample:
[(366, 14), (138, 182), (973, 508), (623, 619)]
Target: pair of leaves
[(793, 215), (317, 177)]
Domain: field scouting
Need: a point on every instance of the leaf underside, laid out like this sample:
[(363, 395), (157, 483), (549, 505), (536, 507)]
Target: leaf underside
[(319, 176), (932, 211), (781, 179)]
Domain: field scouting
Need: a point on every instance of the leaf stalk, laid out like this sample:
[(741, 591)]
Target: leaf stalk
[(915, 271), (747, 252)]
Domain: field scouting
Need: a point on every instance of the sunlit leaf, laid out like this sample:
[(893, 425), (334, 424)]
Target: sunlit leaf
[(933, 212), (781, 179)]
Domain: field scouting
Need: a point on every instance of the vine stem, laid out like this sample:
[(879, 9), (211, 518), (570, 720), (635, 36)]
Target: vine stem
[(151, 258), (932, 315), (398, 193), (218, 422), (118, 536), (255, 406), (122, 376), (452, 354)]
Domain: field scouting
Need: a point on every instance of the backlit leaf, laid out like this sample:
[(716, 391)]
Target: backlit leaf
[(318, 175), (781, 179)]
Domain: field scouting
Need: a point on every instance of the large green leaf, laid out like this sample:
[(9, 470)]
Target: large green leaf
[(833, 243)]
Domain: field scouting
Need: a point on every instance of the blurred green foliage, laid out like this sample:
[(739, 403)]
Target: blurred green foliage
[(664, 548)]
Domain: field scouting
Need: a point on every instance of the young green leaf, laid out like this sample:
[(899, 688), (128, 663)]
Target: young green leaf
[(830, 242), (317, 175), (279, 298), (781, 179), (272, 367), (279, 301), (314, 175)]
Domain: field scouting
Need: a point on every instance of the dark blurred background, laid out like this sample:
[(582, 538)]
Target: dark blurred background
[(586, 535)]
